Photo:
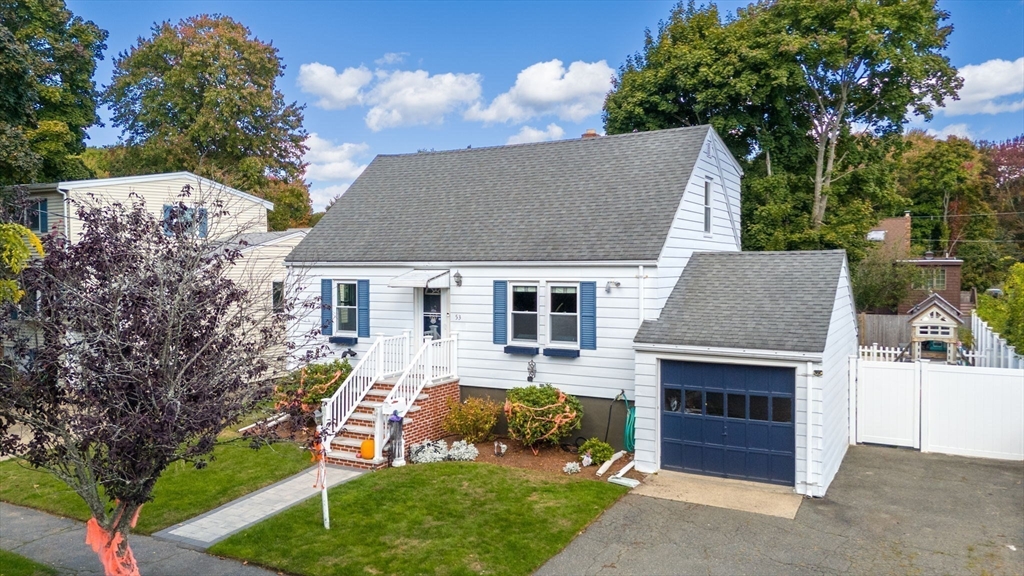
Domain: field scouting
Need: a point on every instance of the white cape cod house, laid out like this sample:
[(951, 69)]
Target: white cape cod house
[(543, 258)]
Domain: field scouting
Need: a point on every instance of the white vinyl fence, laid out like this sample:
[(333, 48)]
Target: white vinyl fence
[(962, 410), (990, 349)]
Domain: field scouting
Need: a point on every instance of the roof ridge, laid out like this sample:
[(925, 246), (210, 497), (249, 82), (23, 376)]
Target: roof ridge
[(546, 142)]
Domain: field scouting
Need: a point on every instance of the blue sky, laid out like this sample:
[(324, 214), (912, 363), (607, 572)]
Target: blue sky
[(394, 77)]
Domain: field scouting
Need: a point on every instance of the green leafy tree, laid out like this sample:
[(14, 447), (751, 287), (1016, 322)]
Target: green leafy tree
[(201, 95), (47, 60), (1006, 315)]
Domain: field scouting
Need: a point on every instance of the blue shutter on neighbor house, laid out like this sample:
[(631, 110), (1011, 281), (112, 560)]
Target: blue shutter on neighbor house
[(363, 308), (44, 217), (167, 219), (202, 223), (588, 315), (326, 317), (500, 312)]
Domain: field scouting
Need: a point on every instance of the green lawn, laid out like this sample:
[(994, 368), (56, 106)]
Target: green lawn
[(444, 518), (182, 492), (13, 565)]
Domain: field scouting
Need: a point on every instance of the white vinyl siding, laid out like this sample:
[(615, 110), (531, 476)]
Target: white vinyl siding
[(688, 233), (840, 344)]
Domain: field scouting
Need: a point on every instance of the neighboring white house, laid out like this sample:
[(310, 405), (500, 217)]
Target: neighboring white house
[(747, 366), (545, 258), (221, 213)]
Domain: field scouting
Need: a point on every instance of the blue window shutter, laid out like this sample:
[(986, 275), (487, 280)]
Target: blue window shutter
[(326, 316), (44, 214), (202, 223), (588, 315), (363, 308), (167, 219), (500, 312)]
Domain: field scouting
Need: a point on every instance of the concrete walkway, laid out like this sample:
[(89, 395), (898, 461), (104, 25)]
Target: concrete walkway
[(207, 529), (60, 543)]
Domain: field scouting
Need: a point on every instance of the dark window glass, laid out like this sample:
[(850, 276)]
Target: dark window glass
[(563, 299), (694, 402), (346, 306), (673, 398), (563, 328), (737, 406), (32, 216), (278, 291), (524, 313), (714, 404), (758, 407), (782, 410)]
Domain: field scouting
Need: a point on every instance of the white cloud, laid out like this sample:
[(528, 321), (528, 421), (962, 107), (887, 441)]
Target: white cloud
[(336, 91), (405, 98), (333, 162), (958, 130), (527, 134), (549, 88), (322, 196), (390, 58), (986, 88)]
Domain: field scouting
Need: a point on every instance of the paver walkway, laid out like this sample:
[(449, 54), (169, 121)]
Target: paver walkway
[(60, 542), (207, 529)]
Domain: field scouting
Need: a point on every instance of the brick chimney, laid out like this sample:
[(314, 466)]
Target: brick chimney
[(590, 133)]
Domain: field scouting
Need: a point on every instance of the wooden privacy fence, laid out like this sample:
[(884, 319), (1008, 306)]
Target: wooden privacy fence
[(889, 330), (990, 349)]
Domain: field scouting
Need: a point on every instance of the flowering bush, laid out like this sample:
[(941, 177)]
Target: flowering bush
[(537, 413), (300, 393)]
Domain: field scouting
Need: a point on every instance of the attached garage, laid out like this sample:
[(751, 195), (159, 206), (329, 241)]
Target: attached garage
[(746, 373)]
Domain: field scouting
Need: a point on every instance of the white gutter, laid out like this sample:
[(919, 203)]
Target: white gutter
[(477, 264), (736, 352), (807, 429), (67, 208)]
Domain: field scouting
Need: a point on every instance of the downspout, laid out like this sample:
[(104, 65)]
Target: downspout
[(67, 208), (641, 276)]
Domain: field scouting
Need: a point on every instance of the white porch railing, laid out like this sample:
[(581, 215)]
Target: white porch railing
[(990, 349), (387, 357), (883, 353), (436, 360)]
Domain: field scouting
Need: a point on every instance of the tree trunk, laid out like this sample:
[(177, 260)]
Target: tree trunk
[(768, 161), (818, 207), (111, 543)]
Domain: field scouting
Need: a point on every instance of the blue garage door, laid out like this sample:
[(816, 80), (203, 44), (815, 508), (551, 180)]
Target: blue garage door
[(728, 420)]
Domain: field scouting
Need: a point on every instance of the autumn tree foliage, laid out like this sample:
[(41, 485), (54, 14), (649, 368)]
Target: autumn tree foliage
[(136, 349), (201, 95), (47, 60)]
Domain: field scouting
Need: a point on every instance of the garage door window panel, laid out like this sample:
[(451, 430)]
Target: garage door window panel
[(714, 404), (759, 407), (673, 400), (694, 402), (782, 409), (738, 406)]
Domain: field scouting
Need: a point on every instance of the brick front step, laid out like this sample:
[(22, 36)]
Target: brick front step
[(354, 461)]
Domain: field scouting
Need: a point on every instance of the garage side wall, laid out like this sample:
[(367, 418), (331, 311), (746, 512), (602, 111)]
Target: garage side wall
[(840, 344), (646, 425)]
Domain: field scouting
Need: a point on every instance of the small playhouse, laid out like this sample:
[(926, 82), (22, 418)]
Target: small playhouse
[(934, 327)]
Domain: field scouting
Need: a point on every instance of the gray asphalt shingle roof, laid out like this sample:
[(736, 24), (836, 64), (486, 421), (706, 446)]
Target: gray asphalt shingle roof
[(754, 300), (610, 198)]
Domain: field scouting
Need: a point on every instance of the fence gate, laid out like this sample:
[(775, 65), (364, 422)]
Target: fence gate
[(889, 403)]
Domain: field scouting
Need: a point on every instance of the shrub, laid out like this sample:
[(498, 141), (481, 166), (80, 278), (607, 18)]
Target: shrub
[(537, 413), (301, 392), (462, 451), (600, 452), (473, 419), (571, 468), (428, 452)]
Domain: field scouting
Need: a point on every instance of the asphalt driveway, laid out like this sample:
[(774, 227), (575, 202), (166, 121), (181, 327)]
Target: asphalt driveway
[(889, 511)]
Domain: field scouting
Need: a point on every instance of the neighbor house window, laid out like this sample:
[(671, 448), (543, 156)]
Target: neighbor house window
[(32, 217), (524, 313), (278, 296), (564, 317), (346, 307), (707, 206), (931, 279), (177, 219)]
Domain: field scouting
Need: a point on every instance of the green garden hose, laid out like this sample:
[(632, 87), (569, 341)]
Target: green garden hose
[(629, 436)]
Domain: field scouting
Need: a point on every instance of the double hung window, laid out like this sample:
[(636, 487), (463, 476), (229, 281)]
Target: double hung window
[(345, 307), (524, 313), (563, 315)]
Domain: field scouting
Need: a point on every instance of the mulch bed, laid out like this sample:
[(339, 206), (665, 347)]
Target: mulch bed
[(549, 459)]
